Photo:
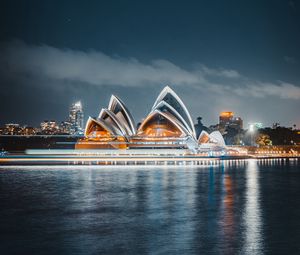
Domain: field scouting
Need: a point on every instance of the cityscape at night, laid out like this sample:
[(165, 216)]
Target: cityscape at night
[(168, 129), (149, 127), (72, 126)]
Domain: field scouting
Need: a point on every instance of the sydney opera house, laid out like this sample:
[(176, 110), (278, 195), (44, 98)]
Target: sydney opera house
[(167, 126)]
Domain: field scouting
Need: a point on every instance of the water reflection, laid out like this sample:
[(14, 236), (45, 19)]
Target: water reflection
[(227, 213), (252, 213), (230, 208)]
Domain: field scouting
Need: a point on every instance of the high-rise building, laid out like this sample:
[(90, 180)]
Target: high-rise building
[(76, 118), (227, 119)]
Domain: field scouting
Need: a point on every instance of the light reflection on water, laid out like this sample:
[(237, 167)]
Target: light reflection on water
[(218, 209), (252, 213)]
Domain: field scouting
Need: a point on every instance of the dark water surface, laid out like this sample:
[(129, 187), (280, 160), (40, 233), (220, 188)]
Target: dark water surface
[(248, 207)]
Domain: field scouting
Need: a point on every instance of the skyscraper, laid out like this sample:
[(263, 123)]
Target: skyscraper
[(227, 119), (76, 118)]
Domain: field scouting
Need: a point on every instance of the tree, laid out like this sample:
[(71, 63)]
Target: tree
[(263, 140)]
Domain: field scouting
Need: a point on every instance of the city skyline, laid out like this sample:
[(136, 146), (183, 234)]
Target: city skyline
[(149, 127), (244, 58), (238, 120), (75, 121)]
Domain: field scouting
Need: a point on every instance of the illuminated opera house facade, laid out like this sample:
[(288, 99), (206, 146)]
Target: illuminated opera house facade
[(167, 126)]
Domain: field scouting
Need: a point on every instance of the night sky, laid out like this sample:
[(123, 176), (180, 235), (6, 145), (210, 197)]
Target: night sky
[(242, 56)]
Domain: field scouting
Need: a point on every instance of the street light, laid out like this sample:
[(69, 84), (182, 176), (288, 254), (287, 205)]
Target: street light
[(251, 130)]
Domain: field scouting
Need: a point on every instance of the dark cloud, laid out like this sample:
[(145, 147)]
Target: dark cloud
[(92, 67), (45, 80)]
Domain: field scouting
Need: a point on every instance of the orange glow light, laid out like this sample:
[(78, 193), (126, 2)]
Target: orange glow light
[(226, 114)]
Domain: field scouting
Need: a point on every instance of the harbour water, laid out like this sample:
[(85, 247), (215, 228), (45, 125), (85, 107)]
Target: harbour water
[(235, 207)]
